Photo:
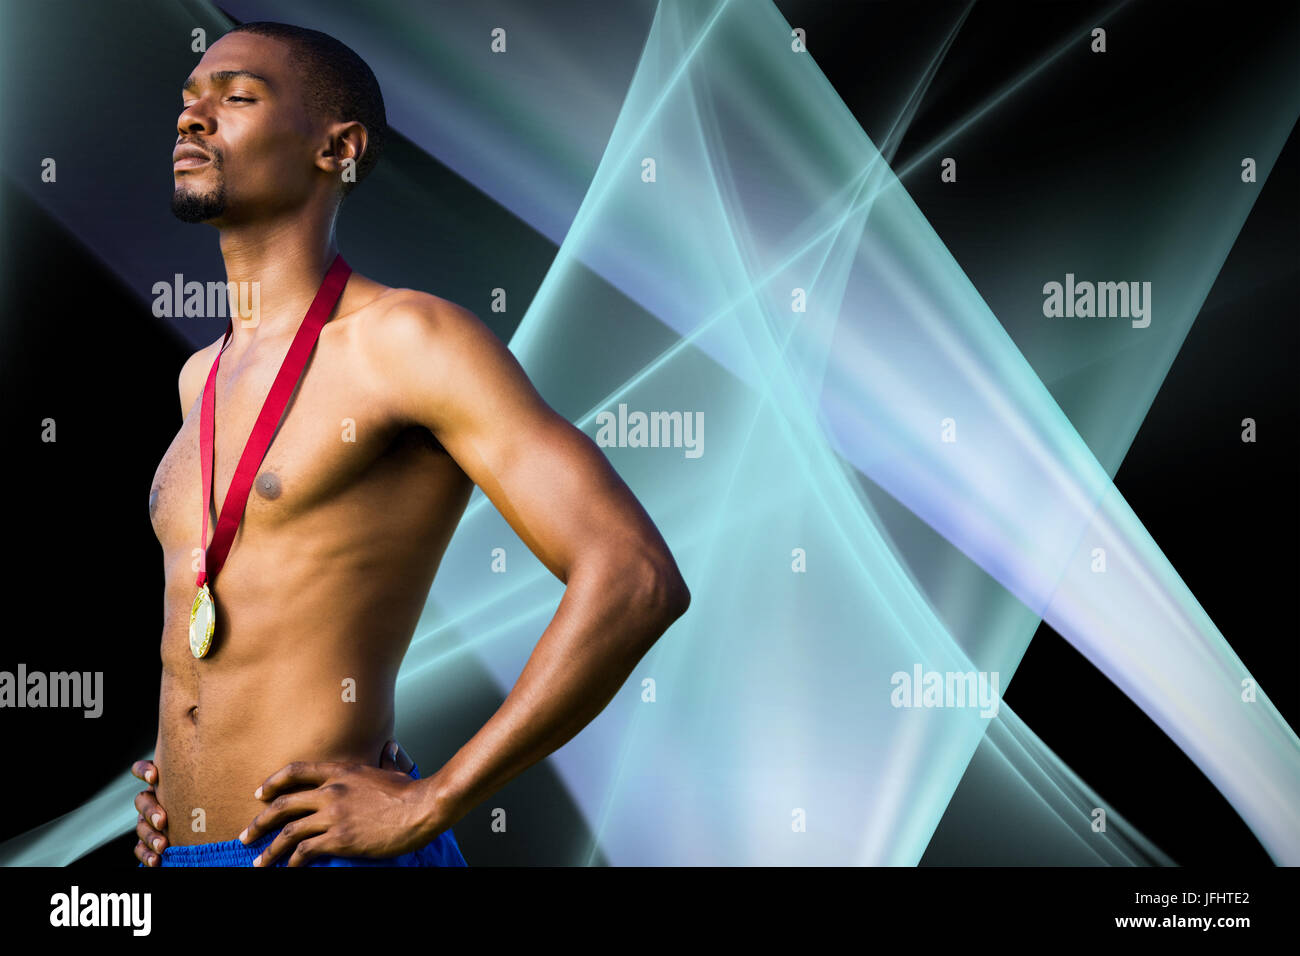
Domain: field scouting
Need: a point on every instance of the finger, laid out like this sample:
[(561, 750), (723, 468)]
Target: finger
[(152, 838), (146, 804), (146, 770), (404, 761), (145, 855), (297, 774), (283, 808), (309, 850), (287, 839), (395, 757)]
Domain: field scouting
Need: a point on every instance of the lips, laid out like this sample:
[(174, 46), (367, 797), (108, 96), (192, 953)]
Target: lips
[(189, 157)]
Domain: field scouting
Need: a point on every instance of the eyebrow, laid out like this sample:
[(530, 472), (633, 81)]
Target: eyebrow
[(220, 76)]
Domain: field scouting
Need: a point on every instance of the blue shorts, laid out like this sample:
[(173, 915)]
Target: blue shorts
[(441, 851)]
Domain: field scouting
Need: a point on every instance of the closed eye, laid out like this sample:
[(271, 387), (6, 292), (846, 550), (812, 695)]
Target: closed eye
[(242, 99)]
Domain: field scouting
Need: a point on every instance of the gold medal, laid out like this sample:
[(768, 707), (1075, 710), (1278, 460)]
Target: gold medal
[(203, 621)]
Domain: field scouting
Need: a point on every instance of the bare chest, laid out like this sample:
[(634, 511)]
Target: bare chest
[(330, 435)]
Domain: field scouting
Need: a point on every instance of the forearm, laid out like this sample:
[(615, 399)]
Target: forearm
[(604, 625)]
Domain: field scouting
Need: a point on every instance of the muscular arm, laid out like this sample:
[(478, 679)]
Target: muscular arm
[(447, 371)]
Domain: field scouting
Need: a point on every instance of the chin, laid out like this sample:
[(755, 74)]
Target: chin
[(191, 206)]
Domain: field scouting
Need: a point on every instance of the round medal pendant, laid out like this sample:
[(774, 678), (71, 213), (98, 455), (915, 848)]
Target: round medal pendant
[(203, 621)]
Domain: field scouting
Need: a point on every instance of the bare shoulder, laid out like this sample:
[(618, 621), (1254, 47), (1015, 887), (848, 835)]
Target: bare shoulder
[(439, 359), (418, 334), (411, 318), (194, 373)]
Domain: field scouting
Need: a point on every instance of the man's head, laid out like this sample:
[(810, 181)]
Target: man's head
[(276, 110)]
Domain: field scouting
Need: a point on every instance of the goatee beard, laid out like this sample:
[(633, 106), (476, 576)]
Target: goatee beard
[(192, 207)]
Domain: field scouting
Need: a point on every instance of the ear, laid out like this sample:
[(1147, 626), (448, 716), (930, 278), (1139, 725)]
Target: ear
[(344, 141)]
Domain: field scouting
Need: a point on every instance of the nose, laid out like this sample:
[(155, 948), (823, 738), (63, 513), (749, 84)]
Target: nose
[(195, 119)]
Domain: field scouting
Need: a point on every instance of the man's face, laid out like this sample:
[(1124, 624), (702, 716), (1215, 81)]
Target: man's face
[(244, 109)]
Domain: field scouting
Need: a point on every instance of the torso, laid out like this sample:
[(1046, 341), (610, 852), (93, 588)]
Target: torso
[(348, 518)]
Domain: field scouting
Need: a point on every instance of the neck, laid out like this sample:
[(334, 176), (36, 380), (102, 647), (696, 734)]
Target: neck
[(283, 264)]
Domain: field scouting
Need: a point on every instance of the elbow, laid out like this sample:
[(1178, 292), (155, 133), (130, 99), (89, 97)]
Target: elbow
[(676, 596), (662, 594)]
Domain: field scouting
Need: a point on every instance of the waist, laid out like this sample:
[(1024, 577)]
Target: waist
[(441, 851), (211, 761)]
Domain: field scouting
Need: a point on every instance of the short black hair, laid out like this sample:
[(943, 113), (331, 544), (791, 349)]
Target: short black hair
[(339, 85)]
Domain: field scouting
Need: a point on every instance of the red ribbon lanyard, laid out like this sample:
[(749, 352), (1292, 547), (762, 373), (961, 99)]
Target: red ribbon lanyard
[(232, 509)]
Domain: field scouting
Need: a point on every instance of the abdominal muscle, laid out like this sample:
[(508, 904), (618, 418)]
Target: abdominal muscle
[(212, 757), (302, 667)]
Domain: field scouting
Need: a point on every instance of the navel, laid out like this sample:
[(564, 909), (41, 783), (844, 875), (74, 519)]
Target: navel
[(268, 485), (153, 501)]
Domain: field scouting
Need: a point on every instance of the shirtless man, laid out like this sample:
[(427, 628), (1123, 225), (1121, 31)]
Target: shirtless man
[(337, 548)]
